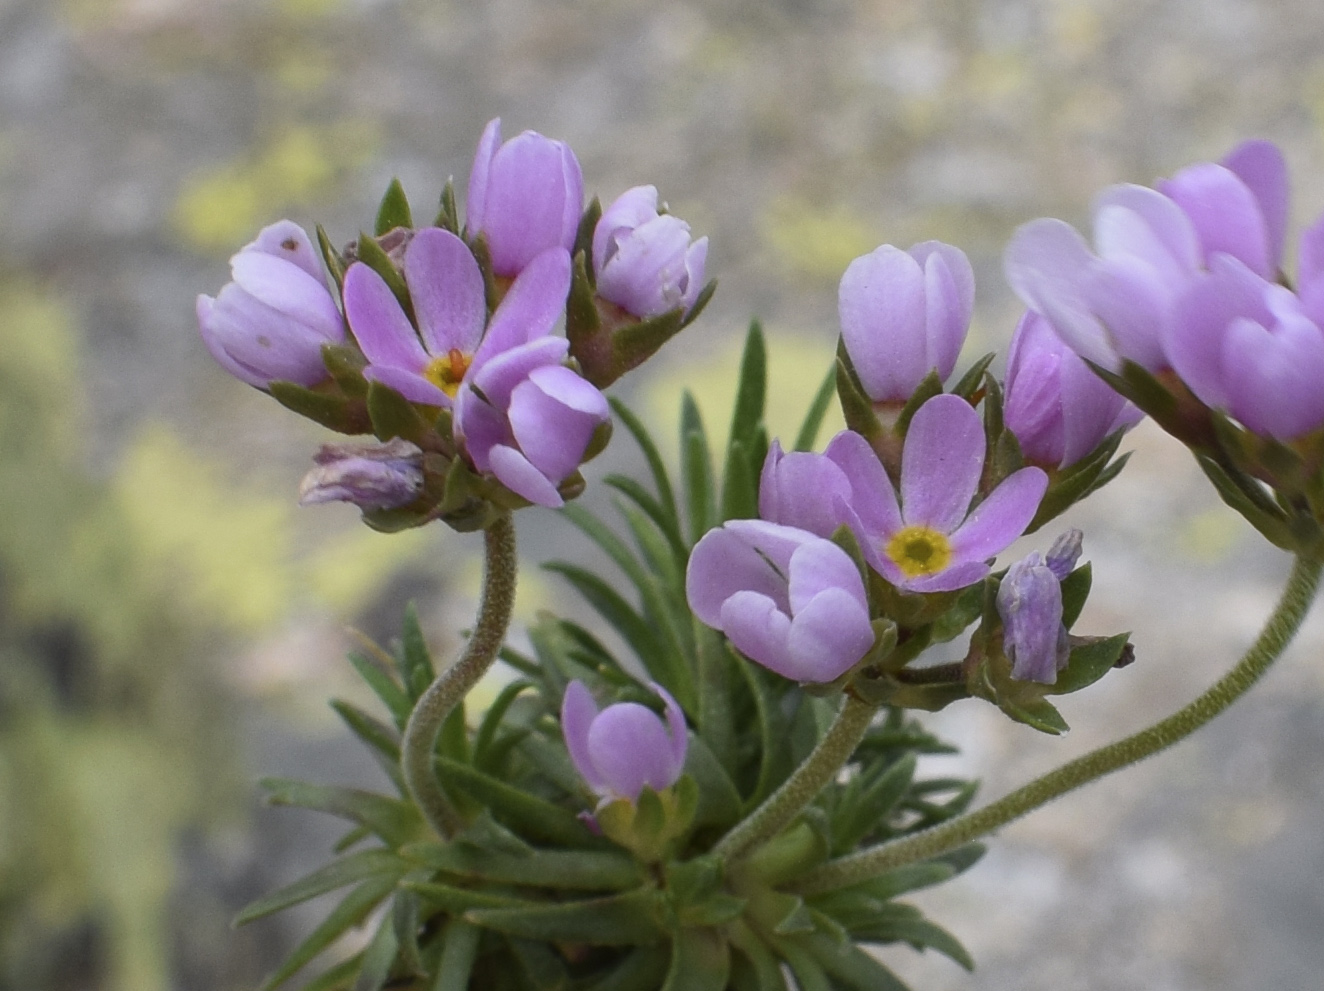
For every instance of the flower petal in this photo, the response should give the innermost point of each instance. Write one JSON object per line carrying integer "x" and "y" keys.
{"x": 286, "y": 239}
{"x": 480, "y": 176}
{"x": 515, "y": 472}
{"x": 379, "y": 324}
{"x": 578, "y": 710}
{"x": 532, "y": 305}
{"x": 828, "y": 636}
{"x": 1261, "y": 166}
{"x": 288, "y": 289}
{"x": 447, "y": 289}
{"x": 630, "y": 748}
{"x": 759, "y": 630}
{"x": 1225, "y": 214}
{"x": 880, "y": 302}
{"x": 941, "y": 463}
{"x": 1001, "y": 518}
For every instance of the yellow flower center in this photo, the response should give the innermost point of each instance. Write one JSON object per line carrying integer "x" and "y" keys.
{"x": 447, "y": 371}
{"x": 919, "y": 550}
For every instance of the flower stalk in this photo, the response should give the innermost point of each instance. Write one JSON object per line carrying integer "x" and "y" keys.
{"x": 452, "y": 685}
{"x": 803, "y": 786}
{"x": 1277, "y": 633}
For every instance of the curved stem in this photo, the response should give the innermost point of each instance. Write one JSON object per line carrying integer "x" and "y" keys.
{"x": 1277, "y": 633}
{"x": 452, "y": 685}
{"x": 804, "y": 784}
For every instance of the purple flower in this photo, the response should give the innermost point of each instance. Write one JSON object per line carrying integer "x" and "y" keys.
{"x": 525, "y": 196}
{"x": 1238, "y": 207}
{"x": 787, "y": 599}
{"x": 1030, "y": 604}
{"x": 644, "y": 260}
{"x": 811, "y": 491}
{"x": 1058, "y": 409}
{"x": 932, "y": 540}
{"x": 1114, "y": 304}
{"x": 1249, "y": 347}
{"x": 527, "y": 419}
{"x": 626, "y": 746}
{"x": 270, "y": 323}
{"x": 904, "y": 314}
{"x": 371, "y": 476}
{"x": 446, "y": 288}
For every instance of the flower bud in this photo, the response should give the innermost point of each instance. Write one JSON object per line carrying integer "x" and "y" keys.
{"x": 625, "y": 747}
{"x": 786, "y": 599}
{"x": 1033, "y": 637}
{"x": 525, "y": 196}
{"x": 1064, "y": 553}
{"x": 1056, "y": 406}
{"x": 270, "y": 323}
{"x": 371, "y": 476}
{"x": 644, "y": 260}
{"x": 905, "y": 314}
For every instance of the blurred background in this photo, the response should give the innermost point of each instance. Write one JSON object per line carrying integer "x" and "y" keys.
{"x": 171, "y": 626}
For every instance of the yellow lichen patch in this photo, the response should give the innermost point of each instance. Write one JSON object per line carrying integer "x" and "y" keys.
{"x": 919, "y": 551}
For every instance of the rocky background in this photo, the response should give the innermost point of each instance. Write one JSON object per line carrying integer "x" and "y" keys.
{"x": 170, "y": 626}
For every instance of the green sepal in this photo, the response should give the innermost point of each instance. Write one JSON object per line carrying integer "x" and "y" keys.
{"x": 700, "y": 961}
{"x": 968, "y": 386}
{"x": 630, "y": 919}
{"x": 339, "y": 413}
{"x": 395, "y": 821}
{"x": 393, "y": 211}
{"x": 966, "y": 607}
{"x": 1070, "y": 485}
{"x": 335, "y": 264}
{"x": 929, "y": 386}
{"x": 352, "y": 910}
{"x": 361, "y": 866}
{"x": 448, "y": 215}
{"x": 393, "y": 415}
{"x": 583, "y": 321}
{"x": 1037, "y": 713}
{"x": 583, "y": 244}
{"x": 634, "y": 343}
{"x": 345, "y": 363}
{"x": 700, "y": 302}
{"x": 649, "y": 826}
{"x": 526, "y": 814}
{"x": 375, "y": 257}
{"x": 1268, "y": 519}
{"x": 807, "y": 436}
{"x": 571, "y": 870}
{"x": 1091, "y": 658}
{"x": 855, "y": 405}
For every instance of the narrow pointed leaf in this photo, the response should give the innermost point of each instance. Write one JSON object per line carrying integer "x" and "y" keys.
{"x": 385, "y": 687}
{"x": 526, "y": 814}
{"x": 381, "y": 739}
{"x": 352, "y": 910}
{"x": 696, "y": 476}
{"x": 415, "y": 659}
{"x": 813, "y": 421}
{"x": 700, "y": 961}
{"x": 661, "y": 480}
{"x": 642, "y": 967}
{"x": 459, "y": 951}
{"x": 337, "y": 874}
{"x": 394, "y": 821}
{"x": 629, "y": 919}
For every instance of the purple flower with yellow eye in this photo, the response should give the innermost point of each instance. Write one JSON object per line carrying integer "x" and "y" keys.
{"x": 625, "y": 747}
{"x": 446, "y": 288}
{"x": 931, "y": 540}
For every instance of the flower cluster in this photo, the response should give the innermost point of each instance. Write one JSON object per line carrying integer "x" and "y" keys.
{"x": 460, "y": 324}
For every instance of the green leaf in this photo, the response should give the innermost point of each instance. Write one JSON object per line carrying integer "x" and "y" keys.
{"x": 396, "y": 822}
{"x": 809, "y": 976}
{"x": 459, "y": 951}
{"x": 1091, "y": 658}
{"x": 526, "y": 814}
{"x": 739, "y": 479}
{"x": 642, "y": 967}
{"x": 415, "y": 660}
{"x": 393, "y": 415}
{"x": 773, "y": 726}
{"x": 1038, "y": 714}
{"x": 344, "y": 416}
{"x": 1075, "y": 590}
{"x": 696, "y": 475}
{"x": 850, "y": 965}
{"x": 631, "y": 919}
{"x": 385, "y": 687}
{"x": 375, "y": 967}
{"x": 719, "y": 801}
{"x": 491, "y": 724}
{"x": 338, "y": 978}
{"x": 858, "y": 818}
{"x": 572, "y": 870}
{"x": 665, "y": 494}
{"x": 352, "y": 910}
{"x": 666, "y": 523}
{"x": 383, "y": 741}
{"x": 455, "y": 901}
{"x": 338, "y": 874}
{"x": 813, "y": 421}
{"x": 764, "y": 969}
{"x": 394, "y": 210}
{"x": 540, "y": 964}
{"x": 700, "y": 961}
{"x": 919, "y": 933}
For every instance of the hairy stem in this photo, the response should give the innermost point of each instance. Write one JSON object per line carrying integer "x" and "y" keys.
{"x": 453, "y": 684}
{"x": 804, "y": 784}
{"x": 1274, "y": 637}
